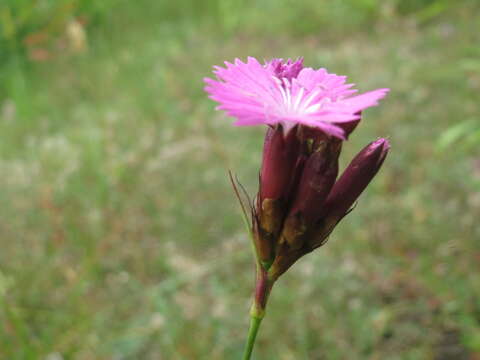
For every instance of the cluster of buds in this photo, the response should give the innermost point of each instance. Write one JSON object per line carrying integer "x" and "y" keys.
{"x": 300, "y": 200}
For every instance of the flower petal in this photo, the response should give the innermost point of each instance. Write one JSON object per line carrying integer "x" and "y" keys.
{"x": 283, "y": 92}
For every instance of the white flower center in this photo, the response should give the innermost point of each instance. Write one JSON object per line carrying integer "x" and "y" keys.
{"x": 302, "y": 102}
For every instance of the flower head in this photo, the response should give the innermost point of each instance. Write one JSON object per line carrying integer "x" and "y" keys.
{"x": 286, "y": 93}
{"x": 308, "y": 112}
{"x": 300, "y": 201}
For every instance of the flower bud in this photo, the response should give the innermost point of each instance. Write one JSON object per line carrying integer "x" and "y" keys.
{"x": 356, "y": 177}
{"x": 317, "y": 179}
{"x": 348, "y": 188}
{"x": 277, "y": 175}
{"x": 280, "y": 152}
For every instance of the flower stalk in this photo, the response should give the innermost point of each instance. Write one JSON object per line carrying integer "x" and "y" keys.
{"x": 263, "y": 287}
{"x": 251, "y": 337}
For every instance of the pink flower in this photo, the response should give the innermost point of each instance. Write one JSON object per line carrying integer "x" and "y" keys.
{"x": 286, "y": 93}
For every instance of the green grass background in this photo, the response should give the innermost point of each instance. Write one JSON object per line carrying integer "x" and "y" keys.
{"x": 120, "y": 237}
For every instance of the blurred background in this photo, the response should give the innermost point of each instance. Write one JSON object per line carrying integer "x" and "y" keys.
{"x": 121, "y": 237}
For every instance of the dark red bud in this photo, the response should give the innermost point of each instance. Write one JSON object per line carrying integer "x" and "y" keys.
{"x": 316, "y": 181}
{"x": 278, "y": 165}
{"x": 355, "y": 178}
{"x": 277, "y": 175}
{"x": 318, "y": 177}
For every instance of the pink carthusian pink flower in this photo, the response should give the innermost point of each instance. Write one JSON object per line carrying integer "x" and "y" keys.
{"x": 287, "y": 93}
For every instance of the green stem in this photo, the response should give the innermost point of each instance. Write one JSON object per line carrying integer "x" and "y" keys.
{"x": 263, "y": 287}
{"x": 252, "y": 335}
